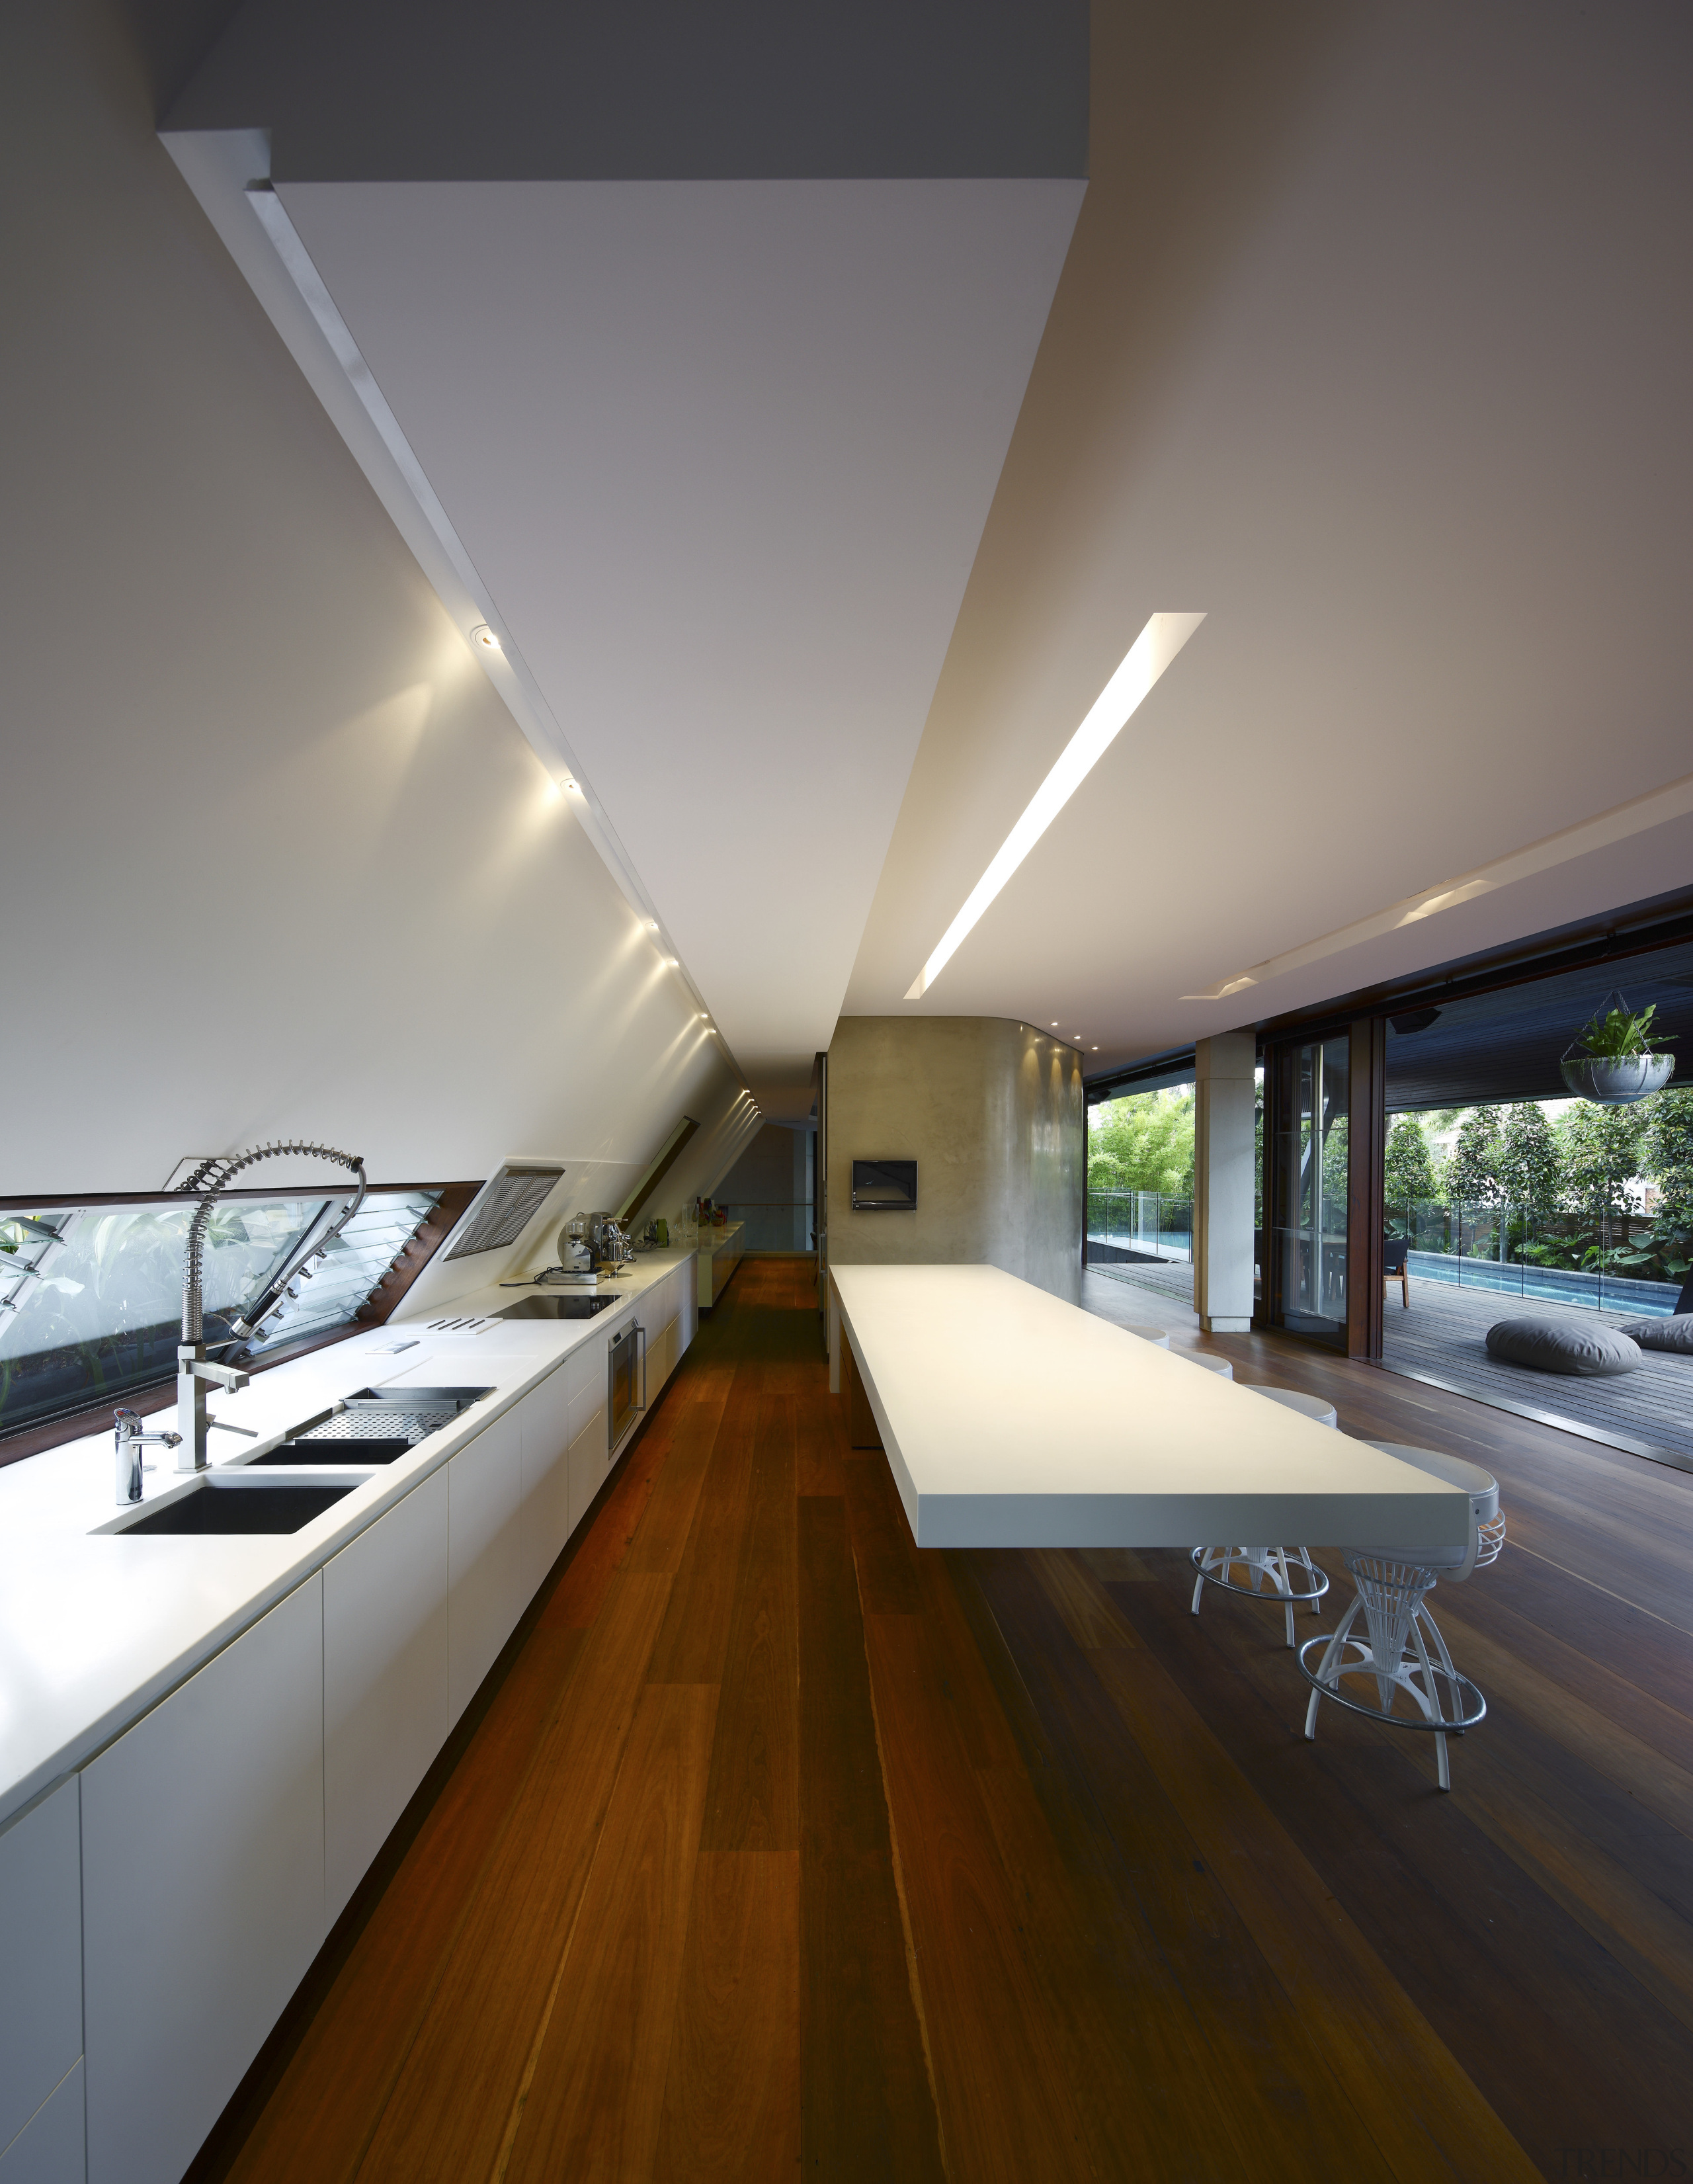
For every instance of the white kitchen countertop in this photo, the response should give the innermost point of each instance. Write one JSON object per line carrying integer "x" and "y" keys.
{"x": 1011, "y": 1418}
{"x": 96, "y": 1628}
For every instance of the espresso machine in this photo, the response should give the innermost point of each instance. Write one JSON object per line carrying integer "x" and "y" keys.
{"x": 610, "y": 1243}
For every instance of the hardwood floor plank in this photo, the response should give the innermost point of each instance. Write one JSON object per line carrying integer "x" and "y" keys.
{"x": 693, "y": 1643}
{"x": 318, "y": 2121}
{"x": 1425, "y": 2116}
{"x": 866, "y": 2110}
{"x": 753, "y": 1802}
{"x": 1563, "y": 2046}
{"x": 1005, "y": 2095}
{"x": 731, "y": 2097}
{"x": 661, "y": 1535}
{"x": 881, "y": 1544}
{"x": 593, "y": 2103}
{"x": 1271, "y": 2090}
{"x": 1088, "y": 1611}
{"x": 446, "y": 2115}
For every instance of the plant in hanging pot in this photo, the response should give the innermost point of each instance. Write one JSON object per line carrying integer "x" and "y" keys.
{"x": 1616, "y": 1060}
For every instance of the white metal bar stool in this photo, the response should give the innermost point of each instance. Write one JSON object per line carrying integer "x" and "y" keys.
{"x": 1308, "y": 1407}
{"x": 1404, "y": 1650}
{"x": 1159, "y": 1337}
{"x": 1220, "y": 1366}
{"x": 1284, "y": 1574}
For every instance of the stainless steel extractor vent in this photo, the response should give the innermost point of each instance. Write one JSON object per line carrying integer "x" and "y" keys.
{"x": 503, "y": 1207}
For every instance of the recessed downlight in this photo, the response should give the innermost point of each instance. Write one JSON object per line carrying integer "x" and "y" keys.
{"x": 482, "y": 635}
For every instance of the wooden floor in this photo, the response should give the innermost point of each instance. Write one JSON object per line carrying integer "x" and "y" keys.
{"x": 776, "y": 1847}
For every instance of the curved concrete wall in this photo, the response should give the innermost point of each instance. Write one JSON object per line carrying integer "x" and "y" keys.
{"x": 993, "y": 1113}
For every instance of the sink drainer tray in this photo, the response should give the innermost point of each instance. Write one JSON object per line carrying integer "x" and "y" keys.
{"x": 387, "y": 1422}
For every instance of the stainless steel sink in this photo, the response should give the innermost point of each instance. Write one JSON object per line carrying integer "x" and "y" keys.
{"x": 557, "y": 1307}
{"x": 219, "y": 1505}
{"x": 367, "y": 1448}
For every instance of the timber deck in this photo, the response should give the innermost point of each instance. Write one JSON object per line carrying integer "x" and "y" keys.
{"x": 772, "y": 1847}
{"x": 1442, "y": 1337}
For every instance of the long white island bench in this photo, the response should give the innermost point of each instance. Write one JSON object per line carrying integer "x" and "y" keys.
{"x": 1012, "y": 1419}
{"x": 204, "y": 1741}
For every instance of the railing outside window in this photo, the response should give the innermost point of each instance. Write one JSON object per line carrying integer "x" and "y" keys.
{"x": 1624, "y": 1261}
{"x": 1141, "y": 1221}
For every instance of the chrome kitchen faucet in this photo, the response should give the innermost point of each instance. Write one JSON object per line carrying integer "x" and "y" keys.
{"x": 194, "y": 1369}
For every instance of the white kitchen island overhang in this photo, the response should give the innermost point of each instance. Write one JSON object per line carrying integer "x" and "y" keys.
{"x": 1012, "y": 1419}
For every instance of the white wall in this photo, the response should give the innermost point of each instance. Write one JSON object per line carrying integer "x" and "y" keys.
{"x": 273, "y": 857}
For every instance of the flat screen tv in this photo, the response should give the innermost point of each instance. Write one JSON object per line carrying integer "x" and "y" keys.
{"x": 884, "y": 1186}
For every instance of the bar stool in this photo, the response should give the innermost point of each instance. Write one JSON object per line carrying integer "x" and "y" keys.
{"x": 1159, "y": 1337}
{"x": 1288, "y": 1573}
{"x": 1404, "y": 1650}
{"x": 1309, "y": 1406}
{"x": 1220, "y": 1366}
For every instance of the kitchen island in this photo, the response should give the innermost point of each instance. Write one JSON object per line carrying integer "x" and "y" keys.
{"x": 1012, "y": 1419}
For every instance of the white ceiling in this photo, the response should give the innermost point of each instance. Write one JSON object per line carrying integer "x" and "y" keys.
{"x": 1371, "y": 345}
{"x": 721, "y": 453}
{"x": 1384, "y": 369}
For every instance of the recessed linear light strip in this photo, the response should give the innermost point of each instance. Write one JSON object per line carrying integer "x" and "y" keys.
{"x": 1674, "y": 800}
{"x": 1146, "y": 660}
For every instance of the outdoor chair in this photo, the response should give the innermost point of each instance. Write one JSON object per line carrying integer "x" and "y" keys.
{"x": 1395, "y": 1265}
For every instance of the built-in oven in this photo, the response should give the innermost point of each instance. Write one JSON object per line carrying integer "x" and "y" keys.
{"x": 626, "y": 1380}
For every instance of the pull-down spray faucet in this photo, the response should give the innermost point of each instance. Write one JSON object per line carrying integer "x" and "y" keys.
{"x": 195, "y": 1371}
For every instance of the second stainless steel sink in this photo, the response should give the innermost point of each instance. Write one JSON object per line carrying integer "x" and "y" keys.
{"x": 368, "y": 1448}
{"x": 225, "y": 1505}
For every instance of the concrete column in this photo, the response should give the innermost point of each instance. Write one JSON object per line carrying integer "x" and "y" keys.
{"x": 1223, "y": 1104}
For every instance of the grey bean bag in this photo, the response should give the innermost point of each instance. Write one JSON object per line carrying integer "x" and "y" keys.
{"x": 1556, "y": 1346}
{"x": 1674, "y": 1333}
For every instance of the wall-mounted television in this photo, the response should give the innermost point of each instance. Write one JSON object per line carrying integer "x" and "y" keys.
{"x": 884, "y": 1186}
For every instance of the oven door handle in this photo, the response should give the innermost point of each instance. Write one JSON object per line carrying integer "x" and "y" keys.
{"x": 642, "y": 1333}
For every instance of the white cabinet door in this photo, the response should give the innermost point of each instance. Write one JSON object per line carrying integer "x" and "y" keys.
{"x": 50, "y": 2148}
{"x": 485, "y": 1556}
{"x": 584, "y": 1369}
{"x": 545, "y": 1418}
{"x": 40, "y": 1954}
{"x": 660, "y": 1360}
{"x": 588, "y": 1391}
{"x": 202, "y": 1891}
{"x": 384, "y": 1680}
{"x": 688, "y": 1309}
{"x": 590, "y": 1461}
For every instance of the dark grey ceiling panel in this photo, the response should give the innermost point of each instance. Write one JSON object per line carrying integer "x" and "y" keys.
{"x": 651, "y": 90}
{"x": 1496, "y": 1047}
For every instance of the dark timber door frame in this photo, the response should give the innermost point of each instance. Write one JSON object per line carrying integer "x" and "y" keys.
{"x": 1365, "y": 1205}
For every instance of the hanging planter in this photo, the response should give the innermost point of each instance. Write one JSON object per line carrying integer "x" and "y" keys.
{"x": 1616, "y": 1061}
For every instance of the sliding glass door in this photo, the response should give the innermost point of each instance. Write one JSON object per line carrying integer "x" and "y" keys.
{"x": 1305, "y": 1260}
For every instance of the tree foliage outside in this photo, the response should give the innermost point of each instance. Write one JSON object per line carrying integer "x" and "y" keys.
{"x": 1472, "y": 1177}
{"x": 1601, "y": 1151}
{"x": 1531, "y": 1166}
{"x": 1667, "y": 1152}
{"x": 1410, "y": 1168}
{"x": 1143, "y": 1142}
